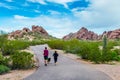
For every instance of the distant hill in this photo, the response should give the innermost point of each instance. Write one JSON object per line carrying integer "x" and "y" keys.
{"x": 37, "y": 32}
{"x": 85, "y": 34}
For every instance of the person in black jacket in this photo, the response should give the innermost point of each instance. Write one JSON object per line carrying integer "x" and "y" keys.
{"x": 55, "y": 55}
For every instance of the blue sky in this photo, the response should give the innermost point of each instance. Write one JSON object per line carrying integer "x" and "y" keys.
{"x": 60, "y": 17}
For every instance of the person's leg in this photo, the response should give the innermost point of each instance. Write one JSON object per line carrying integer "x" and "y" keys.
{"x": 45, "y": 60}
{"x": 55, "y": 60}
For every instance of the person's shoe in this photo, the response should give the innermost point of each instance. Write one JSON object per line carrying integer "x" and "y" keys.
{"x": 45, "y": 64}
{"x": 55, "y": 64}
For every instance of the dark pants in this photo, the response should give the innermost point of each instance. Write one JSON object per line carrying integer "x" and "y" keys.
{"x": 45, "y": 57}
{"x": 55, "y": 60}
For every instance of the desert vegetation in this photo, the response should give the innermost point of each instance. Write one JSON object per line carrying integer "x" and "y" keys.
{"x": 90, "y": 50}
{"x": 11, "y": 56}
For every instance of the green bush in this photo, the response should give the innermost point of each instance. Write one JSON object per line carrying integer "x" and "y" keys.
{"x": 113, "y": 56}
{"x": 38, "y": 42}
{"x": 117, "y": 51}
{"x": 94, "y": 53}
{"x": 19, "y": 44}
{"x": 72, "y": 46}
{"x": 4, "y": 69}
{"x": 56, "y": 44}
{"x": 22, "y": 60}
{"x": 4, "y": 60}
{"x": 88, "y": 50}
{"x": 9, "y": 47}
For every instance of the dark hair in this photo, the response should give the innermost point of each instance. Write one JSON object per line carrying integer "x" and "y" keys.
{"x": 45, "y": 47}
{"x": 55, "y": 51}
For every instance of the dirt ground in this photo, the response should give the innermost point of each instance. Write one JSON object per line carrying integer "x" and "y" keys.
{"x": 17, "y": 74}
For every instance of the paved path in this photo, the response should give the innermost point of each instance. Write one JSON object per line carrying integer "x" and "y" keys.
{"x": 67, "y": 69}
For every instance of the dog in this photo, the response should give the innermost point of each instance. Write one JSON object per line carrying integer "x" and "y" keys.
{"x": 49, "y": 59}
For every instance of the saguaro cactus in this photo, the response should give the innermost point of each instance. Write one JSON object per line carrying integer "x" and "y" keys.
{"x": 104, "y": 52}
{"x": 104, "y": 42}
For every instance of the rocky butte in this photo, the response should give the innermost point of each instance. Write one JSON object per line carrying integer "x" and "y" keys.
{"x": 26, "y": 33}
{"x": 85, "y": 34}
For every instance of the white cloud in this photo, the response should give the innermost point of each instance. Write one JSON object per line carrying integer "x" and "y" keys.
{"x": 9, "y": 0}
{"x": 57, "y": 27}
{"x": 99, "y": 16}
{"x": 100, "y": 13}
{"x": 6, "y": 6}
{"x": 63, "y": 2}
{"x": 37, "y": 1}
{"x": 19, "y": 17}
{"x": 52, "y": 12}
{"x": 4, "y": 29}
{"x": 37, "y": 11}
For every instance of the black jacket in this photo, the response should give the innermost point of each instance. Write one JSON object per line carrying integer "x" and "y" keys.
{"x": 55, "y": 55}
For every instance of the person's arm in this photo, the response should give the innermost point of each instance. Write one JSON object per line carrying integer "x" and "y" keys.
{"x": 44, "y": 52}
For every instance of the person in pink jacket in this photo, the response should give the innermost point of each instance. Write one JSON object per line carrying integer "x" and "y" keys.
{"x": 45, "y": 54}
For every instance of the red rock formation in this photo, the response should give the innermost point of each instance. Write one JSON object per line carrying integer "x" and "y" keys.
{"x": 115, "y": 34}
{"x": 26, "y": 30}
{"x": 39, "y": 29}
{"x": 21, "y": 33}
{"x": 83, "y": 34}
{"x": 17, "y": 33}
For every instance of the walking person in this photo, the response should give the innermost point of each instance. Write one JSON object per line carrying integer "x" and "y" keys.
{"x": 45, "y": 54}
{"x": 55, "y": 55}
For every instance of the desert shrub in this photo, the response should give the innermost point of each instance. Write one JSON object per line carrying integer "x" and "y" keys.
{"x": 19, "y": 44}
{"x": 84, "y": 51}
{"x": 56, "y": 44}
{"x": 35, "y": 42}
{"x": 4, "y": 69}
{"x": 108, "y": 56}
{"x": 88, "y": 50}
{"x": 94, "y": 53}
{"x": 4, "y": 60}
{"x": 113, "y": 56}
{"x": 117, "y": 51}
{"x": 22, "y": 60}
{"x": 3, "y": 40}
{"x": 111, "y": 44}
{"x": 7, "y": 48}
{"x": 72, "y": 46}
{"x": 38, "y": 42}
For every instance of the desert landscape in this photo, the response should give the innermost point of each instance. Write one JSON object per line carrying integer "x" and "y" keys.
{"x": 68, "y": 39}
